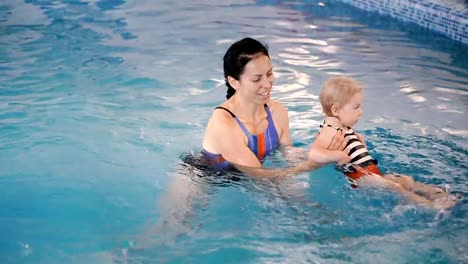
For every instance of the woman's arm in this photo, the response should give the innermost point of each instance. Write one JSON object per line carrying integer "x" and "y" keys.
{"x": 335, "y": 141}
{"x": 231, "y": 144}
{"x": 262, "y": 172}
{"x": 224, "y": 136}
{"x": 332, "y": 153}
{"x": 280, "y": 117}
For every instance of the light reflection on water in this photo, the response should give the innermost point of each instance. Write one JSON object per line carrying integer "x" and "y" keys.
{"x": 99, "y": 99}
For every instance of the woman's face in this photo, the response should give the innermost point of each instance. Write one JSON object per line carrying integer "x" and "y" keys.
{"x": 257, "y": 80}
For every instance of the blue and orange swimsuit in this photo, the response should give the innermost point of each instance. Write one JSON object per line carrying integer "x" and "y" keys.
{"x": 261, "y": 144}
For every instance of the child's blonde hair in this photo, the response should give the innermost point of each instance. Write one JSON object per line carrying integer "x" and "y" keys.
{"x": 337, "y": 91}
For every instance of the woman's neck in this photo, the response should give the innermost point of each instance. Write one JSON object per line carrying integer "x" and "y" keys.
{"x": 246, "y": 110}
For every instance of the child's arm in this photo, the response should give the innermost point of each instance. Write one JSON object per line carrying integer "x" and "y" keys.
{"x": 319, "y": 150}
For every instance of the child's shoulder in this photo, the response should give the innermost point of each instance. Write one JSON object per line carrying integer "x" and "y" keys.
{"x": 325, "y": 136}
{"x": 327, "y": 131}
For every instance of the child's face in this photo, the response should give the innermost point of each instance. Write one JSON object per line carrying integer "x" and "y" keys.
{"x": 350, "y": 113}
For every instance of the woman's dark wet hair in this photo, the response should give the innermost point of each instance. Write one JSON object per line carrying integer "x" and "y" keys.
{"x": 237, "y": 56}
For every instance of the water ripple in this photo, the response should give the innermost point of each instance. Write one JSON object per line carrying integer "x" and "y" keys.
{"x": 99, "y": 98}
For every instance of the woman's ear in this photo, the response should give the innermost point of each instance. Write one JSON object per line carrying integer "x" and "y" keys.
{"x": 233, "y": 82}
{"x": 335, "y": 110}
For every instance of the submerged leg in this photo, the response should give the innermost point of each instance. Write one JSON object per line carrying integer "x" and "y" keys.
{"x": 429, "y": 191}
{"x": 175, "y": 210}
{"x": 404, "y": 185}
{"x": 440, "y": 198}
{"x": 405, "y": 181}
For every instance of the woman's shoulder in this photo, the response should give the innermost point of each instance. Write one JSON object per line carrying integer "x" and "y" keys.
{"x": 222, "y": 113}
{"x": 221, "y": 118}
{"x": 274, "y": 104}
{"x": 221, "y": 125}
{"x": 277, "y": 107}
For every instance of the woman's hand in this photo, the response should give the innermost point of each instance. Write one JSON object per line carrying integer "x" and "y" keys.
{"x": 342, "y": 158}
{"x": 338, "y": 141}
{"x": 323, "y": 157}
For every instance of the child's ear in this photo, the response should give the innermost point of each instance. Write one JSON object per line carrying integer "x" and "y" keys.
{"x": 335, "y": 110}
{"x": 233, "y": 82}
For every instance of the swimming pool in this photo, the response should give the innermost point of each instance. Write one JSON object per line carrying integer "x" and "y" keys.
{"x": 98, "y": 99}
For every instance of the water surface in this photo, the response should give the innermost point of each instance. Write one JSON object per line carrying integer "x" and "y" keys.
{"x": 98, "y": 99}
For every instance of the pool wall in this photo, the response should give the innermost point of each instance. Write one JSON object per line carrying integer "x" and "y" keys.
{"x": 448, "y": 17}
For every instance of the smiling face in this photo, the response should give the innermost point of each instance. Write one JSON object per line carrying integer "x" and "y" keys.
{"x": 256, "y": 81}
{"x": 351, "y": 111}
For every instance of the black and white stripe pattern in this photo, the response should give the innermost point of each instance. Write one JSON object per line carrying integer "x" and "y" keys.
{"x": 356, "y": 149}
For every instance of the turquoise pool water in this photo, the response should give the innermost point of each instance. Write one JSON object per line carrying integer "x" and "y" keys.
{"x": 98, "y": 100}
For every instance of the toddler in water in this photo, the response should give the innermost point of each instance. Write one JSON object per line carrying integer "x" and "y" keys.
{"x": 341, "y": 99}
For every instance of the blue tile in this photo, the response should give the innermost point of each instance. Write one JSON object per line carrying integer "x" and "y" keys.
{"x": 437, "y": 17}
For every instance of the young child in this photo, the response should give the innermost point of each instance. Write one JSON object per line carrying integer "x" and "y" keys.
{"x": 341, "y": 99}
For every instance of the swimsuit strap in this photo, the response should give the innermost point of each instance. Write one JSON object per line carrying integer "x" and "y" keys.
{"x": 229, "y": 111}
{"x": 249, "y": 135}
{"x": 270, "y": 134}
{"x": 233, "y": 115}
{"x": 237, "y": 120}
{"x": 270, "y": 118}
{"x": 261, "y": 144}
{"x": 337, "y": 128}
{"x": 246, "y": 131}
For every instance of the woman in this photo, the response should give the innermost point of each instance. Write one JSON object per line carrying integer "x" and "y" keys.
{"x": 249, "y": 124}
{"x": 240, "y": 133}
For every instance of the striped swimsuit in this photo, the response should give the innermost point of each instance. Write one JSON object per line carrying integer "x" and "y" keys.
{"x": 358, "y": 154}
{"x": 261, "y": 144}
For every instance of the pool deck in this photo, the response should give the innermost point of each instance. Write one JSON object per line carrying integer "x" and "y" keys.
{"x": 448, "y": 17}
